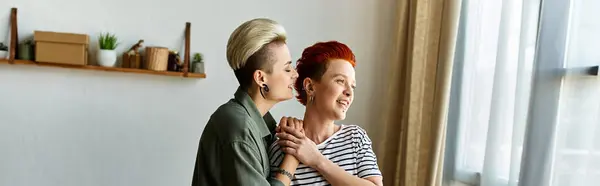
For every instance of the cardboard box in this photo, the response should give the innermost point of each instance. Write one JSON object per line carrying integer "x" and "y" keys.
{"x": 61, "y": 48}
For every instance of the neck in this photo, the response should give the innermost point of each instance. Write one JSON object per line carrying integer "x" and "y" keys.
{"x": 316, "y": 127}
{"x": 262, "y": 104}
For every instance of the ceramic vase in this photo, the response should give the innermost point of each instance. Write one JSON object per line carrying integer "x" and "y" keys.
{"x": 107, "y": 58}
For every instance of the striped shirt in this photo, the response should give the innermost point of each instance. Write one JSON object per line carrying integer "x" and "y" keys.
{"x": 350, "y": 148}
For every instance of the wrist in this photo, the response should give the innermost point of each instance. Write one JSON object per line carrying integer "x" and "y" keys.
{"x": 321, "y": 163}
{"x": 289, "y": 163}
{"x": 290, "y": 159}
{"x": 283, "y": 174}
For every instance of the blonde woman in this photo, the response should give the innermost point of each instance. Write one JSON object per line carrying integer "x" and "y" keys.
{"x": 233, "y": 146}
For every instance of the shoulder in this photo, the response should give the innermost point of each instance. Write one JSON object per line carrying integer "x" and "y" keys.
{"x": 230, "y": 122}
{"x": 358, "y": 133}
{"x": 354, "y": 129}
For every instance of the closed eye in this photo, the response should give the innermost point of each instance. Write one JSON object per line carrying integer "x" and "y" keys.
{"x": 287, "y": 66}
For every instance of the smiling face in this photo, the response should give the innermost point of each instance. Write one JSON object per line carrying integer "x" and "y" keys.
{"x": 334, "y": 92}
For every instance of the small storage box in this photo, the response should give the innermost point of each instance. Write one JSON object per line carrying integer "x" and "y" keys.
{"x": 61, "y": 48}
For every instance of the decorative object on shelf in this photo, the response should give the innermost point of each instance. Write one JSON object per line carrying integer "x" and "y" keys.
{"x": 107, "y": 55}
{"x": 135, "y": 49}
{"x": 132, "y": 58}
{"x": 3, "y": 51}
{"x": 61, "y": 48}
{"x": 157, "y": 58}
{"x": 25, "y": 51}
{"x": 175, "y": 63}
{"x": 198, "y": 63}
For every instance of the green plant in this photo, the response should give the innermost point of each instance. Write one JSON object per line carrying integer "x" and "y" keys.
{"x": 3, "y": 47}
{"x": 108, "y": 41}
{"x": 28, "y": 42}
{"x": 198, "y": 57}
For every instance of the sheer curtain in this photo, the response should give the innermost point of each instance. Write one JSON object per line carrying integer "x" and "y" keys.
{"x": 492, "y": 87}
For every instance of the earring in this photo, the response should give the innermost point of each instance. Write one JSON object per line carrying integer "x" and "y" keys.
{"x": 264, "y": 88}
{"x": 310, "y": 99}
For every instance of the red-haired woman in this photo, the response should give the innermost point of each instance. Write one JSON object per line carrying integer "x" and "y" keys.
{"x": 329, "y": 153}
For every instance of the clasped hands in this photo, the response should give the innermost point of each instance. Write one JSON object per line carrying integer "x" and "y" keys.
{"x": 293, "y": 141}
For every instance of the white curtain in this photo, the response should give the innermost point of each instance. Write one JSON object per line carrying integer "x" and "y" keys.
{"x": 494, "y": 84}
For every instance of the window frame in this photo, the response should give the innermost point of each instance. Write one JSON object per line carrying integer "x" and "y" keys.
{"x": 553, "y": 30}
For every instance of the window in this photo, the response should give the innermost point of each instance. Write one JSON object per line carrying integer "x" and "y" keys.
{"x": 577, "y": 143}
{"x": 510, "y": 96}
{"x": 490, "y": 90}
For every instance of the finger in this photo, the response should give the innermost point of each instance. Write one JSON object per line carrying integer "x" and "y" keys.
{"x": 286, "y": 136}
{"x": 284, "y": 121}
{"x": 288, "y": 150}
{"x": 287, "y": 143}
{"x": 290, "y": 121}
{"x": 277, "y": 129}
{"x": 295, "y": 133}
{"x": 297, "y": 124}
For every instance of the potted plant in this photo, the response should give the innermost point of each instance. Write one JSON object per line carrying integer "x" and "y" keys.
{"x": 107, "y": 55}
{"x": 198, "y": 63}
{"x": 3, "y": 51}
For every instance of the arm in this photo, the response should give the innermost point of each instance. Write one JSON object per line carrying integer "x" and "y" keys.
{"x": 289, "y": 163}
{"x": 335, "y": 175}
{"x": 306, "y": 151}
{"x": 241, "y": 165}
{"x": 366, "y": 165}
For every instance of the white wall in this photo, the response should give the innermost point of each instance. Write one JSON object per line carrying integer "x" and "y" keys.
{"x": 72, "y": 127}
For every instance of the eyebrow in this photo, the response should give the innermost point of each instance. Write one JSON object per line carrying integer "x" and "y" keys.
{"x": 288, "y": 63}
{"x": 339, "y": 74}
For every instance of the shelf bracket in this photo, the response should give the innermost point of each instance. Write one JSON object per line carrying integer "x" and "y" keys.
{"x": 186, "y": 58}
{"x": 13, "y": 36}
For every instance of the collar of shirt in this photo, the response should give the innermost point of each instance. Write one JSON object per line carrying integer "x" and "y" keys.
{"x": 266, "y": 124}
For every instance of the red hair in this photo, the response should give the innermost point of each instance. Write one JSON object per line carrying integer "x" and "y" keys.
{"x": 313, "y": 63}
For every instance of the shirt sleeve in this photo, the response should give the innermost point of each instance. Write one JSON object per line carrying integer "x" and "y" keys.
{"x": 243, "y": 166}
{"x": 366, "y": 159}
{"x": 275, "y": 157}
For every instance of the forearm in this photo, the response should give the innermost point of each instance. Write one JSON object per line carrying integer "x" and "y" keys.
{"x": 289, "y": 164}
{"x": 335, "y": 175}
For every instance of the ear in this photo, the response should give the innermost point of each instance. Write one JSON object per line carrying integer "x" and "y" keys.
{"x": 260, "y": 77}
{"x": 309, "y": 86}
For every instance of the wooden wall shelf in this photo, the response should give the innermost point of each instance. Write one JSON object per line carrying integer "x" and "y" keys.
{"x": 100, "y": 68}
{"x": 14, "y": 41}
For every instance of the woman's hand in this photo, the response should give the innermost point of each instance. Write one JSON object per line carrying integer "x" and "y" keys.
{"x": 297, "y": 144}
{"x": 291, "y": 122}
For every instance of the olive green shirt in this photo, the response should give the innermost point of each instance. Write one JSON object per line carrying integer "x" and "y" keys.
{"x": 233, "y": 146}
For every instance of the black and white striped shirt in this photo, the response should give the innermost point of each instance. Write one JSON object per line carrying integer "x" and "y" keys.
{"x": 350, "y": 148}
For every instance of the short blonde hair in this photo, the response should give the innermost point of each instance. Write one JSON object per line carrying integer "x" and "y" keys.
{"x": 248, "y": 38}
